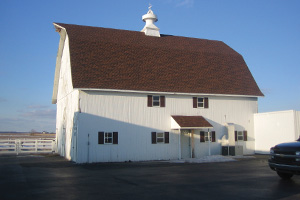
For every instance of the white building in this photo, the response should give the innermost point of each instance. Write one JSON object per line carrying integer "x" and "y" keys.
{"x": 127, "y": 95}
{"x": 273, "y": 128}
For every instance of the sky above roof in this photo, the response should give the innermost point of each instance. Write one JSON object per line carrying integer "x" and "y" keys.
{"x": 266, "y": 33}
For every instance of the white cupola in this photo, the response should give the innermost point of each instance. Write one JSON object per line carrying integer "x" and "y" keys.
{"x": 150, "y": 29}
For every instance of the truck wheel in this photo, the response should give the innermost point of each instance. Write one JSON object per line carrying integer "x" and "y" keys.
{"x": 285, "y": 176}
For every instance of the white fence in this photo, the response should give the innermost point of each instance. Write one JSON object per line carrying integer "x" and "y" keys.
{"x": 17, "y": 146}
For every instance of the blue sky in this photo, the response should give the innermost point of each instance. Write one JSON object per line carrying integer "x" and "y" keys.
{"x": 265, "y": 32}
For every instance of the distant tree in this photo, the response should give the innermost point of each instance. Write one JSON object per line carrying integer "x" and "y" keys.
{"x": 33, "y": 131}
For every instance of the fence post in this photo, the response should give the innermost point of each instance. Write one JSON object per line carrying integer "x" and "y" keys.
{"x": 17, "y": 146}
{"x": 36, "y": 145}
{"x": 53, "y": 146}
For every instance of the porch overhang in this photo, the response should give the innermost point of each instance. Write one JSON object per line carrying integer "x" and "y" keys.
{"x": 189, "y": 122}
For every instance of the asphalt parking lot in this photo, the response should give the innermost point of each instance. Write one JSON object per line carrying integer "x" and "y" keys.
{"x": 52, "y": 177}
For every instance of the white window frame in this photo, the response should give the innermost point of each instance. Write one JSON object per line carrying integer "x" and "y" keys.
{"x": 200, "y": 102}
{"x": 207, "y": 137}
{"x": 160, "y": 137}
{"x": 107, "y": 137}
{"x": 240, "y": 136}
{"x": 156, "y": 101}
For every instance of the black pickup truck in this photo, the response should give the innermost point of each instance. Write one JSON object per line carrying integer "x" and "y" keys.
{"x": 285, "y": 159}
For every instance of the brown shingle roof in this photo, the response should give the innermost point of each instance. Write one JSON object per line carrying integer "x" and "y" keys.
{"x": 191, "y": 121}
{"x": 106, "y": 58}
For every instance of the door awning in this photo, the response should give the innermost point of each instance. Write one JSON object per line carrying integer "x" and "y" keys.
{"x": 189, "y": 122}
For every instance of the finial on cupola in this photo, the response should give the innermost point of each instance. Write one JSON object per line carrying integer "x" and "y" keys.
{"x": 150, "y": 29}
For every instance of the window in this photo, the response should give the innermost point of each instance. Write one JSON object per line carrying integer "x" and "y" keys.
{"x": 207, "y": 136}
{"x": 160, "y": 137}
{"x": 156, "y": 101}
{"x": 240, "y": 135}
{"x": 107, "y": 137}
{"x": 200, "y": 102}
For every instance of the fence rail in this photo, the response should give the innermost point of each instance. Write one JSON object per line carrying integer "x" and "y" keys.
{"x": 16, "y": 146}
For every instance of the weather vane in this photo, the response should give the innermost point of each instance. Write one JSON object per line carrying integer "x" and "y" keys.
{"x": 150, "y": 6}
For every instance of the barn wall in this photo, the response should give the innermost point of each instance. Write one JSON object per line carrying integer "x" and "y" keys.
{"x": 273, "y": 128}
{"x": 67, "y": 105}
{"x": 128, "y": 114}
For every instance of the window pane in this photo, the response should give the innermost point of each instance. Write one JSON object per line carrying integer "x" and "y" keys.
{"x": 160, "y": 135}
{"x": 155, "y": 103}
{"x": 155, "y": 98}
{"x": 108, "y": 134}
{"x": 159, "y": 140}
{"x": 108, "y": 140}
{"x": 200, "y": 100}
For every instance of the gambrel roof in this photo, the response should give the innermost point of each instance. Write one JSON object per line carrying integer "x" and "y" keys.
{"x": 104, "y": 58}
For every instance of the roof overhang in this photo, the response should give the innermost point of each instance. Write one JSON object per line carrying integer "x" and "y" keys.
{"x": 166, "y": 93}
{"x": 189, "y": 122}
{"x": 62, "y": 32}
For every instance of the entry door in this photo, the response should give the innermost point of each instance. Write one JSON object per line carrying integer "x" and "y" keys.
{"x": 185, "y": 141}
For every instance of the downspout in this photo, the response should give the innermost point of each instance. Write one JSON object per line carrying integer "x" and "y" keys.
{"x": 209, "y": 139}
{"x": 179, "y": 144}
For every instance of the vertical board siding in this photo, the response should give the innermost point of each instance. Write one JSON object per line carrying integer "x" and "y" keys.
{"x": 130, "y": 116}
{"x": 67, "y": 107}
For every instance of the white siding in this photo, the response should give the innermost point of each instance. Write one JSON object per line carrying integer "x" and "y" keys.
{"x": 275, "y": 127}
{"x": 67, "y": 106}
{"x": 128, "y": 114}
{"x": 297, "y": 124}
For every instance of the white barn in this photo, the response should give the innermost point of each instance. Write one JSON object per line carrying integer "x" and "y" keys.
{"x": 127, "y": 95}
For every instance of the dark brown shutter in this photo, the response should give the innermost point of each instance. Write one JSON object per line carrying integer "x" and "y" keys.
{"x": 115, "y": 137}
{"x": 213, "y": 136}
{"x": 153, "y": 137}
{"x": 202, "y": 136}
{"x": 205, "y": 102}
{"x": 167, "y": 137}
{"x": 245, "y": 135}
{"x": 162, "y": 101}
{"x": 235, "y": 135}
{"x": 194, "y": 102}
{"x": 100, "y": 137}
{"x": 149, "y": 100}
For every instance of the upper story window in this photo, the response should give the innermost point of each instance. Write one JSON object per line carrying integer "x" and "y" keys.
{"x": 200, "y": 102}
{"x": 156, "y": 101}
